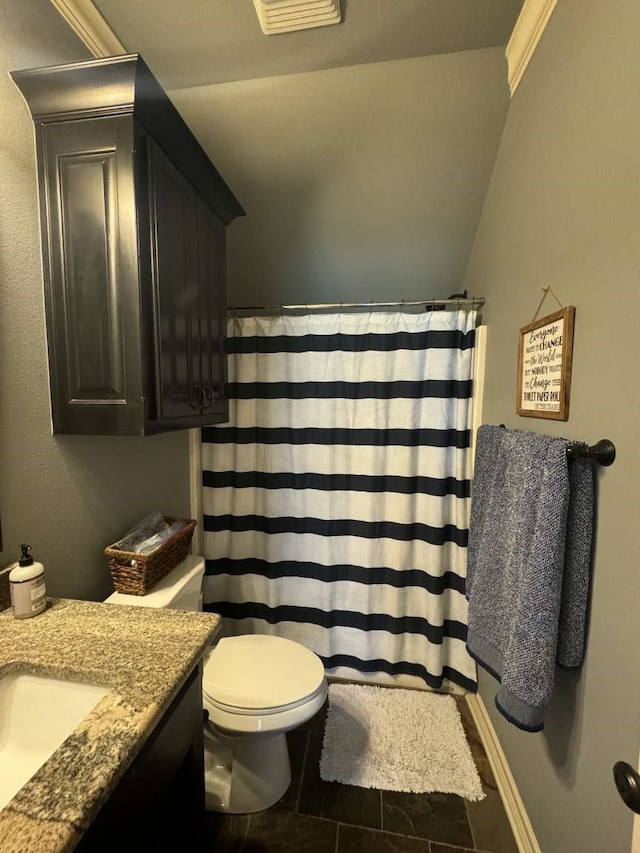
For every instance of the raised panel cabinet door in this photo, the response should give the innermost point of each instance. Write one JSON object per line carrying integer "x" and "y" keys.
{"x": 212, "y": 314}
{"x": 91, "y": 276}
{"x": 176, "y": 296}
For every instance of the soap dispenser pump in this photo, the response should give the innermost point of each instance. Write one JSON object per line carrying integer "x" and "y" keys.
{"x": 26, "y": 583}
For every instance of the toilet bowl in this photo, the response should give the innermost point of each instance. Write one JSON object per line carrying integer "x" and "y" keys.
{"x": 255, "y": 688}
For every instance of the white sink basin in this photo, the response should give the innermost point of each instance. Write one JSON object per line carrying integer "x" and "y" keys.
{"x": 37, "y": 715}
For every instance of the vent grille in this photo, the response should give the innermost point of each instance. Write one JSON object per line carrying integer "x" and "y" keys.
{"x": 285, "y": 16}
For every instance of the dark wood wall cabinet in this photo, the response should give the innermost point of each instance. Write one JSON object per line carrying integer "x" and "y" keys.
{"x": 133, "y": 217}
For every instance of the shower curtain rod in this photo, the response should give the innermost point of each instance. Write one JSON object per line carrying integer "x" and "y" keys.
{"x": 429, "y": 305}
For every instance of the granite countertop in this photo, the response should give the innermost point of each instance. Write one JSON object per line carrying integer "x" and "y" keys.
{"x": 143, "y": 656}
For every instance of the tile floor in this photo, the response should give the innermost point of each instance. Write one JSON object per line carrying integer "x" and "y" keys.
{"x": 326, "y": 817}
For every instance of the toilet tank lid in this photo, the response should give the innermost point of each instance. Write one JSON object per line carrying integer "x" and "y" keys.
{"x": 165, "y": 592}
{"x": 261, "y": 671}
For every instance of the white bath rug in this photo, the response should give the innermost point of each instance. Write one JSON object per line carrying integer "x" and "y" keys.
{"x": 397, "y": 740}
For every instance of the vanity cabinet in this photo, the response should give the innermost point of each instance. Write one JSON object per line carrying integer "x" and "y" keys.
{"x": 133, "y": 219}
{"x": 159, "y": 802}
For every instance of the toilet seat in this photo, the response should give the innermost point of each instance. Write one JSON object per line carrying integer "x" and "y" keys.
{"x": 260, "y": 674}
{"x": 234, "y": 709}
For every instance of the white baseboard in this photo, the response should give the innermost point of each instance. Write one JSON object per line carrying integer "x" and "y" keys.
{"x": 514, "y": 807}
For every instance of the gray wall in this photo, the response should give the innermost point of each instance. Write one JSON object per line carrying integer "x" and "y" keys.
{"x": 563, "y": 209}
{"x": 359, "y": 183}
{"x": 68, "y": 496}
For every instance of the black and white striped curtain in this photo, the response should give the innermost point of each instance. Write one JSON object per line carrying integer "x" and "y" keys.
{"x": 336, "y": 502}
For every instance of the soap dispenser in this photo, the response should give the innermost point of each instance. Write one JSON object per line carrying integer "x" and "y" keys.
{"x": 26, "y": 583}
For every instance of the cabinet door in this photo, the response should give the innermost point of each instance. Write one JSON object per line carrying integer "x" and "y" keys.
{"x": 91, "y": 275}
{"x": 159, "y": 802}
{"x": 175, "y": 287}
{"x": 188, "y": 273}
{"x": 211, "y": 328}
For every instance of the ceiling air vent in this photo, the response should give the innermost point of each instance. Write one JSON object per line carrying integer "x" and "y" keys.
{"x": 285, "y": 16}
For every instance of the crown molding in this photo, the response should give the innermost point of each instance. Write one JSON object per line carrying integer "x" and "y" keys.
{"x": 524, "y": 39}
{"x": 87, "y": 22}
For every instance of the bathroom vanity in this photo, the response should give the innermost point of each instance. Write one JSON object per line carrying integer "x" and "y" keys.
{"x": 131, "y": 773}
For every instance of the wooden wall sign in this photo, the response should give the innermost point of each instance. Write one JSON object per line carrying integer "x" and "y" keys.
{"x": 544, "y": 366}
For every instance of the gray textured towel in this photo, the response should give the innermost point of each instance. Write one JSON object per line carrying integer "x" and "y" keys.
{"x": 528, "y": 565}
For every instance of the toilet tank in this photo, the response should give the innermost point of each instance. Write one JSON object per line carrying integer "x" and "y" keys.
{"x": 181, "y": 589}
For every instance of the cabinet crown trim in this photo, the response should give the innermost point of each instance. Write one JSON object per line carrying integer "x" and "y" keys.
{"x": 116, "y": 85}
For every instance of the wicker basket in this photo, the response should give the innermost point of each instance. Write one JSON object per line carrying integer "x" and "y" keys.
{"x": 147, "y": 569}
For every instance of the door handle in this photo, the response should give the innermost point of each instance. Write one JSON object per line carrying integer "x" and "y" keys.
{"x": 202, "y": 402}
{"x": 191, "y": 402}
{"x": 628, "y": 784}
{"x": 212, "y": 395}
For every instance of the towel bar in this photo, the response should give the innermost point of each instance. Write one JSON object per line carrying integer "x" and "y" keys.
{"x": 604, "y": 452}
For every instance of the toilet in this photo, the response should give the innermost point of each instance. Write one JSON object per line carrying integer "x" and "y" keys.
{"x": 255, "y": 688}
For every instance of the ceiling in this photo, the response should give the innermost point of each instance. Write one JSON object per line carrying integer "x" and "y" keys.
{"x": 195, "y": 42}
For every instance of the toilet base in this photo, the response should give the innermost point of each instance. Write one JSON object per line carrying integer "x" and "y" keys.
{"x": 245, "y": 774}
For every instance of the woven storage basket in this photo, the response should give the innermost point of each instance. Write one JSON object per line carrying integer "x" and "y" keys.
{"x": 147, "y": 569}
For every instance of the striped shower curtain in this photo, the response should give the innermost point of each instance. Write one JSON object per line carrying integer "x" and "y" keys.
{"x": 336, "y": 501}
